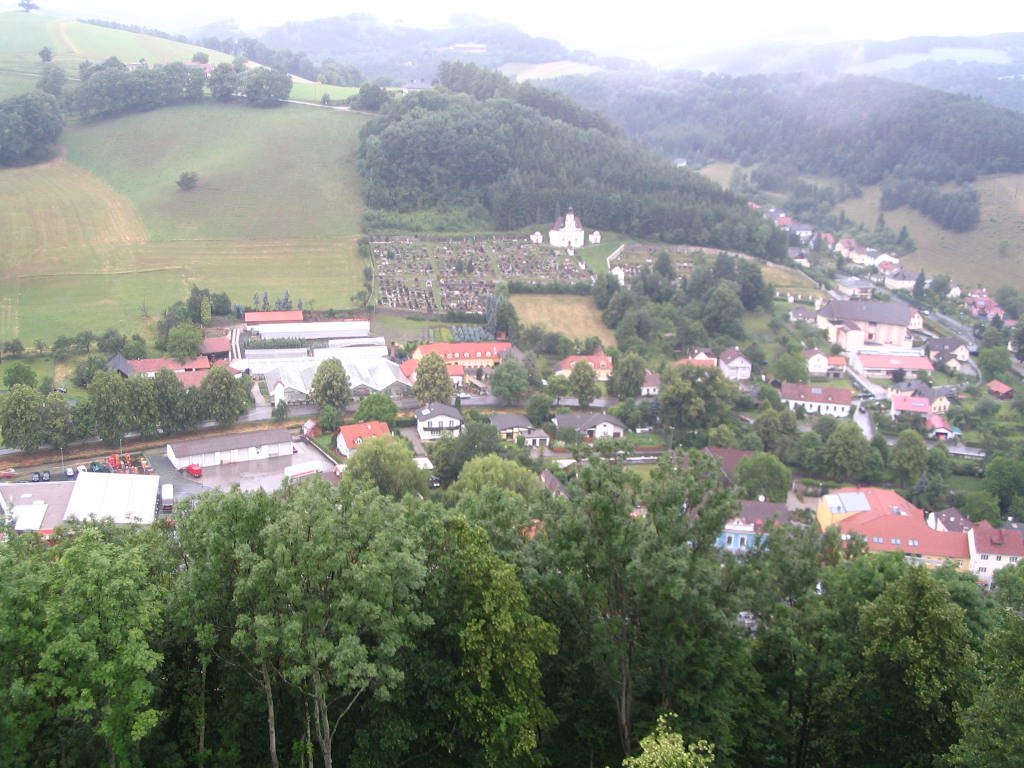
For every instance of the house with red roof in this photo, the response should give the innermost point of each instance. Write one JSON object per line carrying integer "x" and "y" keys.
{"x": 901, "y": 404}
{"x": 351, "y": 436}
{"x": 216, "y": 346}
{"x": 992, "y": 549}
{"x": 827, "y": 401}
{"x": 599, "y": 361}
{"x": 890, "y": 523}
{"x": 939, "y": 428}
{"x": 471, "y": 354}
{"x": 998, "y": 389}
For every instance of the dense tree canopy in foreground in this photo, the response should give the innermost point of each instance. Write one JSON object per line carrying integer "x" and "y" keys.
{"x": 325, "y": 625}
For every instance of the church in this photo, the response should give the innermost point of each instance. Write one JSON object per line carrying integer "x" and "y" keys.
{"x": 567, "y": 232}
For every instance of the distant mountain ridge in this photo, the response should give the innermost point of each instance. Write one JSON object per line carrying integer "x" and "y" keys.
{"x": 401, "y": 54}
{"x": 989, "y": 66}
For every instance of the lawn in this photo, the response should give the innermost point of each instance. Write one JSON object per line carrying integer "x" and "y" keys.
{"x": 789, "y": 280}
{"x": 574, "y": 316}
{"x": 263, "y": 173}
{"x": 303, "y": 90}
{"x": 97, "y": 239}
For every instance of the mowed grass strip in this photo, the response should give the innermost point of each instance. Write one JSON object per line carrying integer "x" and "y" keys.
{"x": 285, "y": 172}
{"x": 575, "y": 316}
{"x": 56, "y": 218}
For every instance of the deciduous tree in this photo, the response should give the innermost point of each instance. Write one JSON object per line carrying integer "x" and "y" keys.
{"x": 433, "y": 385}
{"x": 583, "y": 383}
{"x": 224, "y": 398}
{"x": 21, "y": 418}
{"x": 331, "y": 385}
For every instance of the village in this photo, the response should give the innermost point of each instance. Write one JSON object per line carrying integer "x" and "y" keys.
{"x": 880, "y": 363}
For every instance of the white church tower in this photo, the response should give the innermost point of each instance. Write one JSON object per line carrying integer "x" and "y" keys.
{"x": 567, "y": 232}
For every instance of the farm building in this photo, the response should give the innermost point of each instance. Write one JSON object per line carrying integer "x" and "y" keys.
{"x": 231, "y": 449}
{"x": 121, "y": 498}
{"x": 327, "y": 329}
{"x": 38, "y": 507}
{"x": 275, "y": 316}
{"x": 476, "y": 354}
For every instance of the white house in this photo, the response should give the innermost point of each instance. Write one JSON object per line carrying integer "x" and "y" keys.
{"x": 734, "y": 365}
{"x": 536, "y": 238}
{"x": 351, "y": 436}
{"x": 827, "y": 401}
{"x": 817, "y": 362}
{"x": 437, "y": 420}
{"x": 567, "y": 232}
{"x": 591, "y": 426}
{"x": 992, "y": 549}
{"x": 652, "y": 384}
{"x": 594, "y": 238}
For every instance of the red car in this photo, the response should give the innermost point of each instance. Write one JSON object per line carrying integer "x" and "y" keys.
{"x": 195, "y": 470}
{"x": 4, "y": 473}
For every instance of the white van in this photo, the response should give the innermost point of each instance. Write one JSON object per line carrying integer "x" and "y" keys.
{"x": 166, "y": 497}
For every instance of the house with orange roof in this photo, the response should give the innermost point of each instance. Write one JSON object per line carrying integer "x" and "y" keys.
{"x": 998, "y": 389}
{"x": 599, "y": 361}
{"x": 890, "y": 523}
{"x": 472, "y": 354}
{"x": 992, "y": 549}
{"x": 351, "y": 436}
{"x": 909, "y": 404}
{"x": 456, "y": 371}
{"x": 148, "y": 367}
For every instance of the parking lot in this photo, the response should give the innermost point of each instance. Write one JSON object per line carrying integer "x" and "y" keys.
{"x": 267, "y": 474}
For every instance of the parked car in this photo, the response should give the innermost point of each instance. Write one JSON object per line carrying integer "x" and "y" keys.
{"x": 36, "y": 477}
{"x": 46, "y": 475}
{"x": 194, "y": 470}
{"x": 69, "y": 473}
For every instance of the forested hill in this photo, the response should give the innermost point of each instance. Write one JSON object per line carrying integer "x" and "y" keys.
{"x": 438, "y": 150}
{"x": 400, "y": 53}
{"x": 858, "y": 128}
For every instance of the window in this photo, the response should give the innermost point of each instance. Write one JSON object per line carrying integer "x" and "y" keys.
{"x": 728, "y": 541}
{"x": 878, "y": 540}
{"x": 743, "y": 541}
{"x": 983, "y": 569}
{"x": 998, "y": 558}
{"x": 913, "y": 542}
{"x": 984, "y": 557}
{"x": 895, "y": 541}
{"x": 1014, "y": 559}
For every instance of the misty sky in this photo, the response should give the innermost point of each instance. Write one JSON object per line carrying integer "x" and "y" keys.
{"x": 663, "y": 32}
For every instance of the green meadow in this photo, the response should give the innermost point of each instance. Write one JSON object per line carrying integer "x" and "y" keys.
{"x": 102, "y": 236}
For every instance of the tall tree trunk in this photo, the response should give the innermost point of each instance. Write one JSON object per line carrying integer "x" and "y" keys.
{"x": 268, "y": 691}
{"x": 321, "y": 720}
{"x": 201, "y": 717}
{"x": 307, "y": 744}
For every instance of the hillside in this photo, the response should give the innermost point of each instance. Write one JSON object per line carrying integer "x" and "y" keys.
{"x": 278, "y": 189}
{"x": 992, "y": 254}
{"x": 23, "y": 35}
{"x": 401, "y": 54}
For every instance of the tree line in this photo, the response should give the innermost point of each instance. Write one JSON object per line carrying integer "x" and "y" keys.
{"x": 116, "y": 407}
{"x": 435, "y": 150}
{"x": 345, "y": 624}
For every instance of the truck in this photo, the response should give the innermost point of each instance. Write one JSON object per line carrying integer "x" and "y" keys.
{"x": 303, "y": 469}
{"x": 166, "y": 498}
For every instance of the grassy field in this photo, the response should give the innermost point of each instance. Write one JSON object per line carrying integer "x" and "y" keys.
{"x": 991, "y": 254}
{"x": 791, "y": 280}
{"x": 574, "y": 316}
{"x": 303, "y": 90}
{"x": 98, "y": 237}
